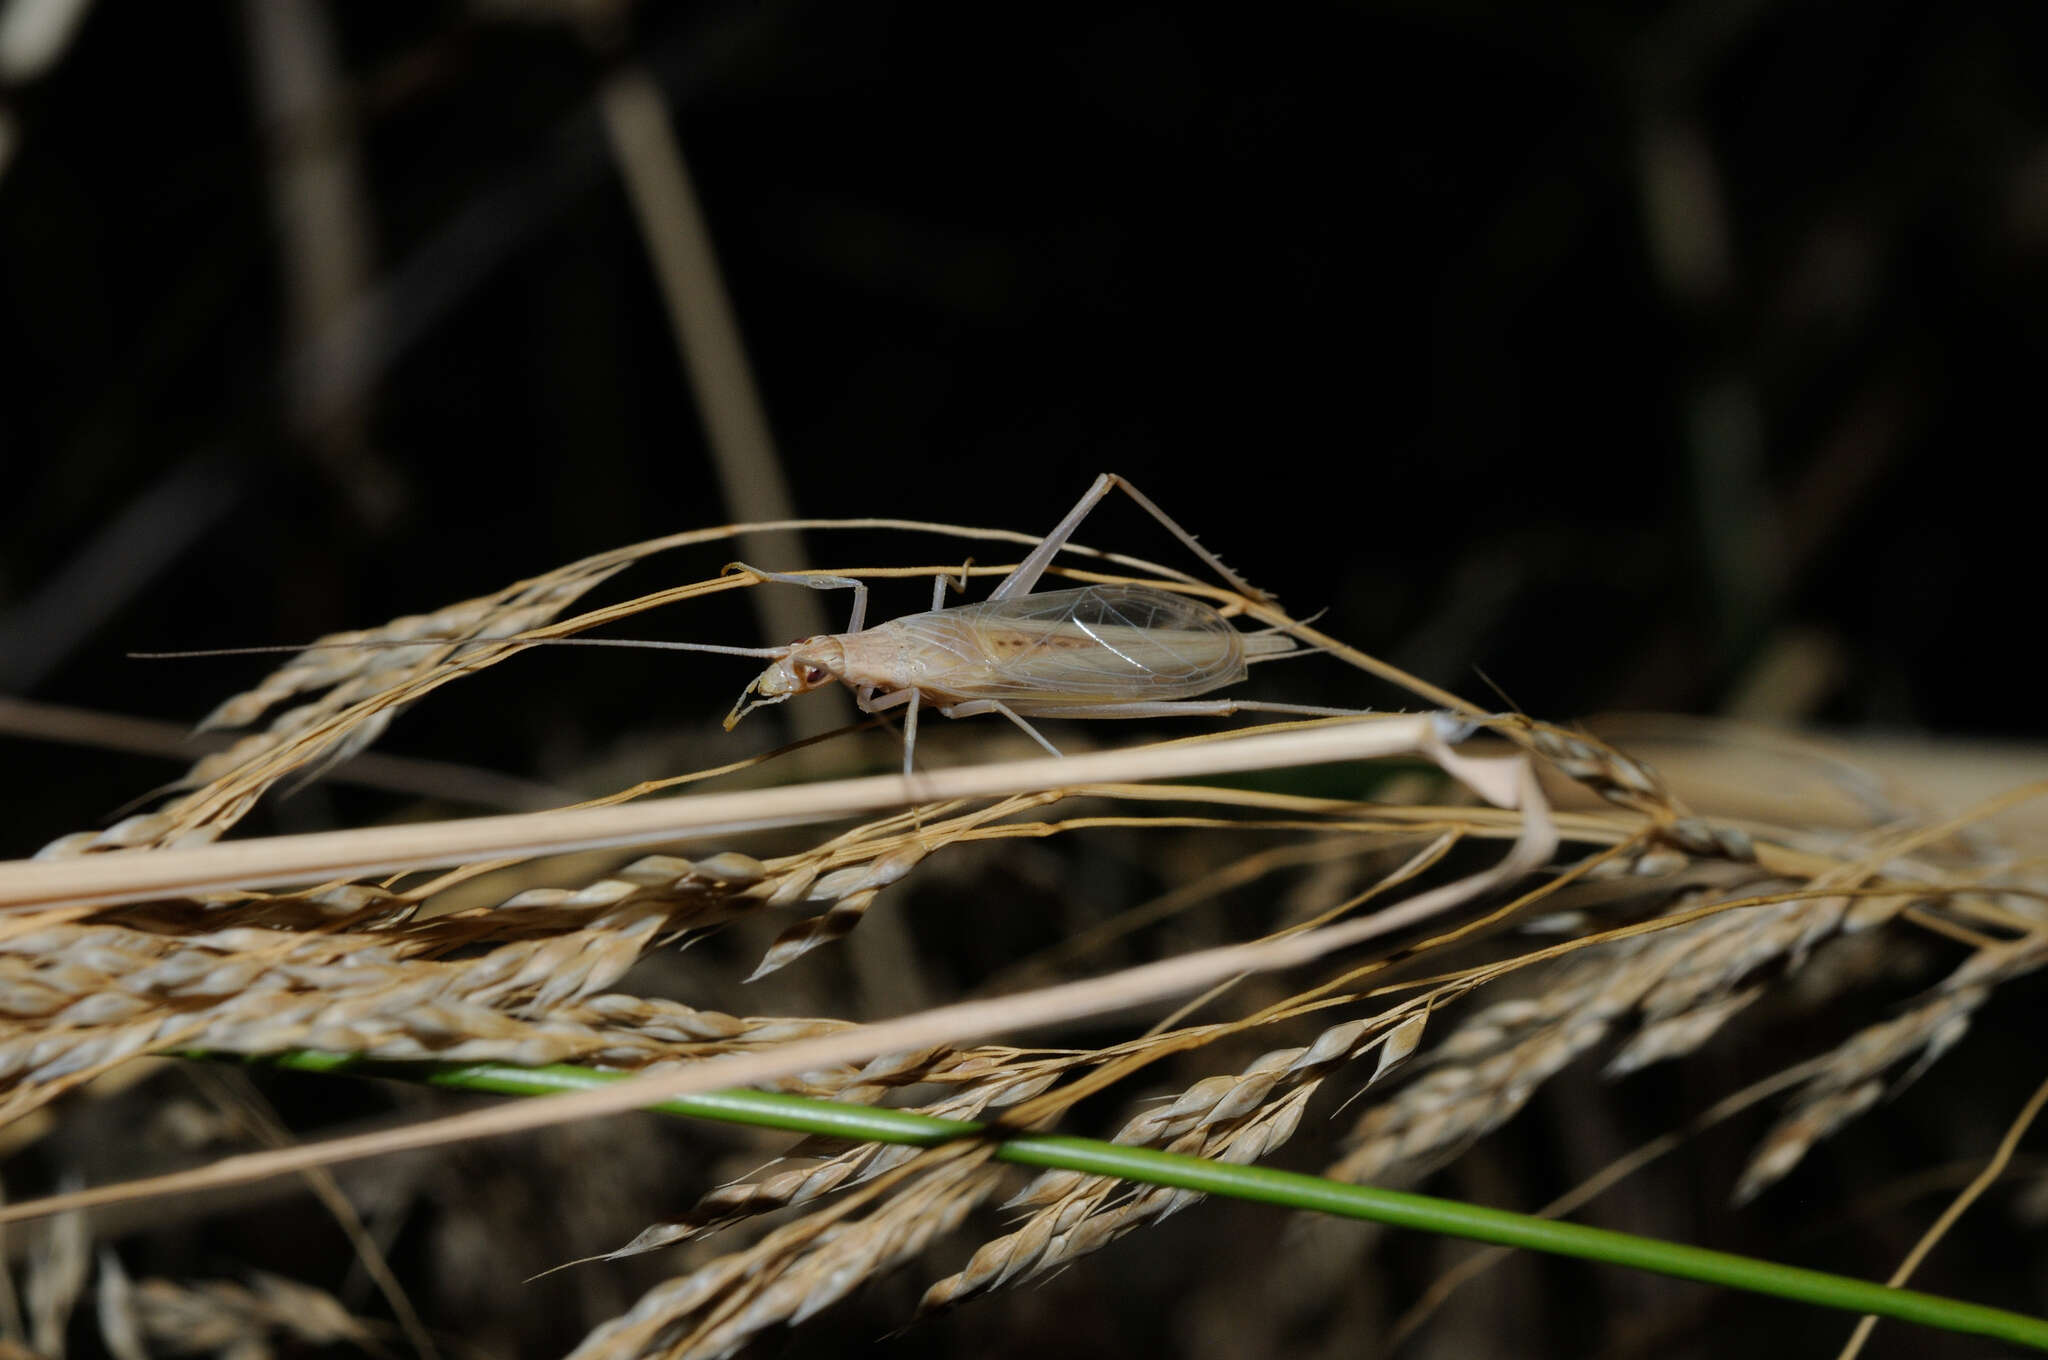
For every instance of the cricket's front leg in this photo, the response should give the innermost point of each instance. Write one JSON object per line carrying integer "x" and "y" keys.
{"x": 864, "y": 698}
{"x": 859, "y": 588}
{"x": 940, "y": 585}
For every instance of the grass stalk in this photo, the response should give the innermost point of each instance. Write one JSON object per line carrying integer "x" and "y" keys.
{"x": 110, "y": 879}
{"x": 1258, "y": 1184}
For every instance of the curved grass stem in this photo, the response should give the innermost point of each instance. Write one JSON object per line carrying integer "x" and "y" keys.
{"x": 1285, "y": 1189}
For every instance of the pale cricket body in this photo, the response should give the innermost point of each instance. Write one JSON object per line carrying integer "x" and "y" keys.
{"x": 1100, "y": 651}
{"x": 1044, "y": 654}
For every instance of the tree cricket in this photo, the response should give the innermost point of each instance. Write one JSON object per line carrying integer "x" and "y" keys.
{"x": 1099, "y": 651}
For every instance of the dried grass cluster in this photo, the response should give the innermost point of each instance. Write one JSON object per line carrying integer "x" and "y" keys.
{"x": 1676, "y": 925}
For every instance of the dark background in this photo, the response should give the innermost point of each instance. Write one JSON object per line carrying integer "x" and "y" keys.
{"x": 1621, "y": 351}
{"x": 1372, "y": 297}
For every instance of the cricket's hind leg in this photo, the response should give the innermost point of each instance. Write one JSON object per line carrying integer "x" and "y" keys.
{"x": 912, "y": 700}
{"x": 973, "y": 707}
{"x": 1203, "y": 708}
{"x": 1147, "y": 708}
{"x": 1028, "y": 572}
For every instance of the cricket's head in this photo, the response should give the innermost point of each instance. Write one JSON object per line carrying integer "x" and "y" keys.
{"x": 807, "y": 665}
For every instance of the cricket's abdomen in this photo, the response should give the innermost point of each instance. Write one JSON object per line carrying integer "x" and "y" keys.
{"x": 1039, "y": 653}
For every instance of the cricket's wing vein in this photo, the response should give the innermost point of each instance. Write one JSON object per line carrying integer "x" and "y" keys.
{"x": 1098, "y": 644}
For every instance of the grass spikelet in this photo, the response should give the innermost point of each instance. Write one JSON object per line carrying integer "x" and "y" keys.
{"x": 223, "y": 1317}
{"x": 797, "y": 1270}
{"x": 1237, "y": 1118}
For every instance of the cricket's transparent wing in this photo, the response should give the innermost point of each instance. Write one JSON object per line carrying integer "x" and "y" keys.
{"x": 1095, "y": 645}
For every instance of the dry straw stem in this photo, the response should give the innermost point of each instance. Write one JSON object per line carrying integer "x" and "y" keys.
{"x": 30, "y": 720}
{"x": 1841, "y": 781}
{"x": 1230, "y": 1118}
{"x": 1993, "y": 1169}
{"x": 343, "y": 969}
{"x": 1682, "y": 977}
{"x": 1019, "y": 1084}
{"x": 105, "y": 880}
{"x": 1507, "y": 782}
{"x": 640, "y": 127}
{"x": 1267, "y": 1097}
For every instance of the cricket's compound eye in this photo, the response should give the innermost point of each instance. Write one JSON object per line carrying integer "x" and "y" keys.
{"x": 811, "y": 675}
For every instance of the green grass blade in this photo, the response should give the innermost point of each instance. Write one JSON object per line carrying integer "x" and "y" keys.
{"x": 1286, "y": 1189}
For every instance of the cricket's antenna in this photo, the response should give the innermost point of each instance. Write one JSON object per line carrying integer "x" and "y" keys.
{"x": 1505, "y": 697}
{"x": 639, "y": 643}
